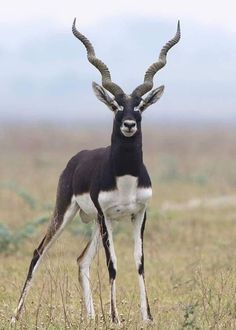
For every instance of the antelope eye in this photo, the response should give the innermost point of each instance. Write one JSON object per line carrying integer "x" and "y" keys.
{"x": 141, "y": 106}
{"x": 136, "y": 108}
{"x": 120, "y": 108}
{"x": 116, "y": 107}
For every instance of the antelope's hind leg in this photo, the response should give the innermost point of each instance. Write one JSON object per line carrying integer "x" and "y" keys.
{"x": 58, "y": 222}
{"x": 84, "y": 262}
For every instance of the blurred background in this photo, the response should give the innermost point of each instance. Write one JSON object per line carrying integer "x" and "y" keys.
{"x": 48, "y": 112}
{"x": 46, "y": 75}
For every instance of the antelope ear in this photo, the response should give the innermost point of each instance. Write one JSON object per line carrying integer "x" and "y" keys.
{"x": 152, "y": 97}
{"x": 102, "y": 95}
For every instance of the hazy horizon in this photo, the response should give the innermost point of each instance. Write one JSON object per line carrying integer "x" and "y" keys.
{"x": 46, "y": 75}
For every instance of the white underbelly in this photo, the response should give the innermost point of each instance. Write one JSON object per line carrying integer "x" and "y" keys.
{"x": 123, "y": 202}
{"x": 121, "y": 211}
{"x": 86, "y": 205}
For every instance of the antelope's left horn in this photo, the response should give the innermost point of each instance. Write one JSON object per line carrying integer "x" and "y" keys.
{"x": 152, "y": 70}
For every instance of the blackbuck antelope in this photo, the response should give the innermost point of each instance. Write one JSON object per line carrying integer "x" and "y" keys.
{"x": 107, "y": 184}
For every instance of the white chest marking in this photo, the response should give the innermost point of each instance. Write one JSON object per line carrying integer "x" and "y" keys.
{"x": 126, "y": 200}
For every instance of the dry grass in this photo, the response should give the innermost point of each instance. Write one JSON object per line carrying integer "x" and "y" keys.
{"x": 189, "y": 252}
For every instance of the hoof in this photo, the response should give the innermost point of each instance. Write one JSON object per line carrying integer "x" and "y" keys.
{"x": 149, "y": 322}
{"x": 115, "y": 320}
{"x": 13, "y": 321}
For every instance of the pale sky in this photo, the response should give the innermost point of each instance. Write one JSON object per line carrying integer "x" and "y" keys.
{"x": 45, "y": 73}
{"x": 208, "y": 12}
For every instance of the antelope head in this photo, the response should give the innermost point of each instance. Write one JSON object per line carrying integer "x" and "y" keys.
{"x": 127, "y": 108}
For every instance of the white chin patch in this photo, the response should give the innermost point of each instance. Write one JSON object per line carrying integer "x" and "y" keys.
{"x": 126, "y": 132}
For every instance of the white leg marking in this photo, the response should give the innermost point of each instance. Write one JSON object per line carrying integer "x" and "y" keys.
{"x": 111, "y": 247}
{"x": 84, "y": 262}
{"x": 113, "y": 308}
{"x": 138, "y": 253}
{"x": 68, "y": 216}
{"x": 143, "y": 298}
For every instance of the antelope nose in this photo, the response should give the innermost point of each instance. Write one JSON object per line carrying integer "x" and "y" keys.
{"x": 129, "y": 124}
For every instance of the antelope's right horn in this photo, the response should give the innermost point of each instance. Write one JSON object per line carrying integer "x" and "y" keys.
{"x": 106, "y": 76}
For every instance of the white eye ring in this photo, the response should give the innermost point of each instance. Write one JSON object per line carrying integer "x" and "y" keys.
{"x": 140, "y": 106}
{"x": 118, "y": 107}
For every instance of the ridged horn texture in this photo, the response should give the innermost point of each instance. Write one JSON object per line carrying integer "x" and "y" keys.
{"x": 106, "y": 76}
{"x": 152, "y": 70}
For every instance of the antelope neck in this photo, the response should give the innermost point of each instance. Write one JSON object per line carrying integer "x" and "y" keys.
{"x": 127, "y": 155}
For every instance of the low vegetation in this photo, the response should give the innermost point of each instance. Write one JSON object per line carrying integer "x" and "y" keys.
{"x": 189, "y": 246}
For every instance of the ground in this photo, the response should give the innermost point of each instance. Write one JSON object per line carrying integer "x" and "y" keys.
{"x": 189, "y": 239}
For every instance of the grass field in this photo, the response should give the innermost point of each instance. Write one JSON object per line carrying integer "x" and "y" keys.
{"x": 190, "y": 238}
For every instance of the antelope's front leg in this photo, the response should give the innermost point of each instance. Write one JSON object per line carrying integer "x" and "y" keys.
{"x": 106, "y": 232}
{"x": 139, "y": 226}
